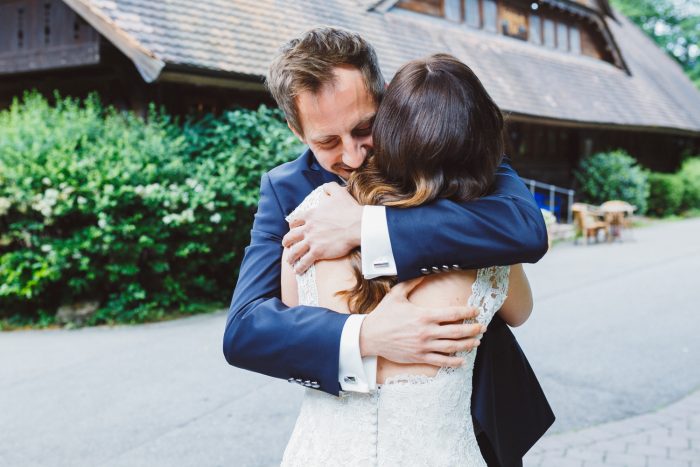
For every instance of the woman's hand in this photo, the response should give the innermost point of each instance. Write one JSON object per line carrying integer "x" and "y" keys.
{"x": 329, "y": 231}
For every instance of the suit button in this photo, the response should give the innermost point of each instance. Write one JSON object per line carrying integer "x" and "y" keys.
{"x": 445, "y": 267}
{"x": 315, "y": 385}
{"x": 424, "y": 271}
{"x": 435, "y": 269}
{"x": 456, "y": 267}
{"x": 290, "y": 380}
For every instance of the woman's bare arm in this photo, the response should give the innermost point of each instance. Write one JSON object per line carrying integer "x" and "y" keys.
{"x": 290, "y": 293}
{"x": 518, "y": 306}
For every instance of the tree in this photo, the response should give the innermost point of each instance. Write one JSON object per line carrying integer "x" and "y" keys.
{"x": 673, "y": 24}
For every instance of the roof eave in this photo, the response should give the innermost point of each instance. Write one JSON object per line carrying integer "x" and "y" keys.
{"x": 570, "y": 123}
{"x": 148, "y": 65}
{"x": 185, "y": 74}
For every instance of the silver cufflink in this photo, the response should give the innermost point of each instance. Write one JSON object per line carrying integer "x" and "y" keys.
{"x": 349, "y": 379}
{"x": 382, "y": 262}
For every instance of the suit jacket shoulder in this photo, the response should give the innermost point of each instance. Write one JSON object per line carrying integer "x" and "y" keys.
{"x": 292, "y": 181}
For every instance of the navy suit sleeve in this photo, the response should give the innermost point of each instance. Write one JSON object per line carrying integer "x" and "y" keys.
{"x": 502, "y": 228}
{"x": 264, "y": 335}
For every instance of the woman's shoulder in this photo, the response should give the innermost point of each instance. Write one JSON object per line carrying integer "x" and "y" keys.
{"x": 310, "y": 202}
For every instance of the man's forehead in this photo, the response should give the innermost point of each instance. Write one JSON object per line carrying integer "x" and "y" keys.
{"x": 337, "y": 106}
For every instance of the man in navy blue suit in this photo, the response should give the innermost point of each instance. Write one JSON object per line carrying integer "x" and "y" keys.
{"x": 328, "y": 83}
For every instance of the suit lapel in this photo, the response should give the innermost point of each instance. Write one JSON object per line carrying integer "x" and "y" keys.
{"x": 315, "y": 174}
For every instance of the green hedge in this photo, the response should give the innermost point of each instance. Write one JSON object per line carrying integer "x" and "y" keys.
{"x": 678, "y": 193}
{"x": 690, "y": 175}
{"x": 613, "y": 175}
{"x": 665, "y": 194}
{"x": 142, "y": 216}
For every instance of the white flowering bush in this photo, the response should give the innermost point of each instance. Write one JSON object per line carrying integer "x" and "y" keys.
{"x": 142, "y": 216}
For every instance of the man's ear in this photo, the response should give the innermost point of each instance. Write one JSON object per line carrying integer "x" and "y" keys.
{"x": 301, "y": 138}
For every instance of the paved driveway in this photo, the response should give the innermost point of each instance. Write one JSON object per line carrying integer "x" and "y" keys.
{"x": 614, "y": 333}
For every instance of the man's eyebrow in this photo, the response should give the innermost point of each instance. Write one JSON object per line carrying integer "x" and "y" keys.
{"x": 322, "y": 138}
{"x": 369, "y": 119}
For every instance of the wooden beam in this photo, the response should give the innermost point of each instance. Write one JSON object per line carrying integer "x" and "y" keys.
{"x": 215, "y": 81}
{"x": 64, "y": 56}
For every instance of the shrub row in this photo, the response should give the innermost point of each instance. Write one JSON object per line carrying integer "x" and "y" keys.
{"x": 139, "y": 215}
{"x": 616, "y": 175}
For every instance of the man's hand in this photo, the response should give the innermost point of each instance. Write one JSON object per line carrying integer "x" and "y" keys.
{"x": 405, "y": 333}
{"x": 328, "y": 231}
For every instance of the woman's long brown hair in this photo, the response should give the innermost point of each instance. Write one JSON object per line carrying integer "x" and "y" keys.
{"x": 437, "y": 134}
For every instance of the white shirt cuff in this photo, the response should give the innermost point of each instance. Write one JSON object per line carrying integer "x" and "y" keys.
{"x": 377, "y": 257}
{"x": 355, "y": 373}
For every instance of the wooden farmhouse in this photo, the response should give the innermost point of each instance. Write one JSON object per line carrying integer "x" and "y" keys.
{"x": 573, "y": 76}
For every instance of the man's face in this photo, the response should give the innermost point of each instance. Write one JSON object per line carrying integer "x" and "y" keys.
{"x": 337, "y": 122}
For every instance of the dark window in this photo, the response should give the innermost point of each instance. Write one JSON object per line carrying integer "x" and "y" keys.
{"x": 47, "y": 23}
{"x": 20, "y": 28}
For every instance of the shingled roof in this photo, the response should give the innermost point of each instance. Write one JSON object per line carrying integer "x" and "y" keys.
{"x": 239, "y": 38}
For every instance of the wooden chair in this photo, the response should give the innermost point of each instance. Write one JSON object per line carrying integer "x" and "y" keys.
{"x": 586, "y": 223}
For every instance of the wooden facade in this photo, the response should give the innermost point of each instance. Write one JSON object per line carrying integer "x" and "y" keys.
{"x": 44, "y": 45}
{"x": 550, "y": 152}
{"x": 44, "y": 34}
{"x": 551, "y": 24}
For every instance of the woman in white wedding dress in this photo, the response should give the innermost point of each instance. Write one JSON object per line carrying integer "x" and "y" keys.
{"x": 424, "y": 150}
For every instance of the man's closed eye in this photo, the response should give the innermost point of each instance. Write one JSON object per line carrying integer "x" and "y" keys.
{"x": 328, "y": 144}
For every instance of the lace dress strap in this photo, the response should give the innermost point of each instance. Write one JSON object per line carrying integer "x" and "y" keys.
{"x": 489, "y": 291}
{"x": 306, "y": 283}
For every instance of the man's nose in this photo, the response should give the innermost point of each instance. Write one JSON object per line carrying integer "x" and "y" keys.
{"x": 354, "y": 156}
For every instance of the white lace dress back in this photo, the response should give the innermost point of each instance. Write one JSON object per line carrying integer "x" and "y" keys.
{"x": 410, "y": 420}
